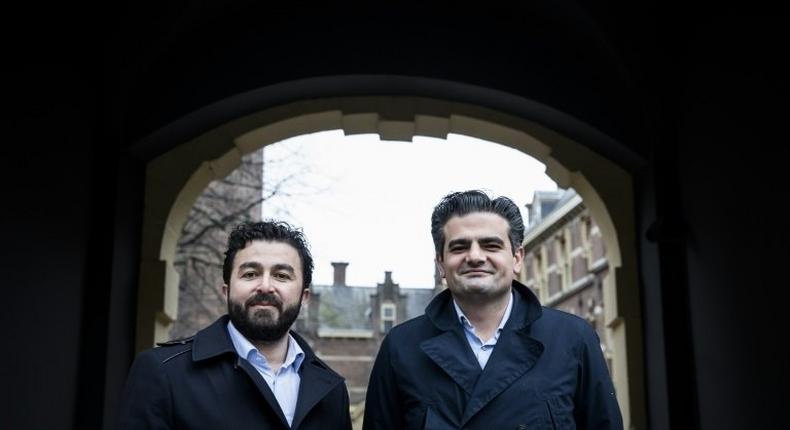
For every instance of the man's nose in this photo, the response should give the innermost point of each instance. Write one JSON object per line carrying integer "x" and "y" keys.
{"x": 475, "y": 254}
{"x": 265, "y": 285}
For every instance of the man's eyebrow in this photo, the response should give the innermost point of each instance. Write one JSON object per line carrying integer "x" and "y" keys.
{"x": 482, "y": 240}
{"x": 249, "y": 265}
{"x": 492, "y": 239}
{"x": 458, "y": 242}
{"x": 283, "y": 266}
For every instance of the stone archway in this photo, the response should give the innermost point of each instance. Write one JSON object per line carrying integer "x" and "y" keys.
{"x": 175, "y": 179}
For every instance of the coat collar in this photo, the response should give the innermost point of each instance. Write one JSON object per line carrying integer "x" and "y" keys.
{"x": 213, "y": 341}
{"x": 441, "y": 313}
{"x": 515, "y": 353}
{"x": 317, "y": 379}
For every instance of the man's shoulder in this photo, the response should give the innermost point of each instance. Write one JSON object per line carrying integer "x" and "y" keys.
{"x": 167, "y": 352}
{"x": 563, "y": 322}
{"x": 417, "y": 326}
{"x": 177, "y": 342}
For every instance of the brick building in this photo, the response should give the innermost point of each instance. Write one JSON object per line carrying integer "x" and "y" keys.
{"x": 565, "y": 259}
{"x": 345, "y": 324}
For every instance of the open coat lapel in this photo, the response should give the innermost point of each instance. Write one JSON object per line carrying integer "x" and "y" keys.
{"x": 214, "y": 341}
{"x": 450, "y": 349}
{"x": 263, "y": 388}
{"x": 451, "y": 352}
{"x": 317, "y": 380}
{"x": 515, "y": 353}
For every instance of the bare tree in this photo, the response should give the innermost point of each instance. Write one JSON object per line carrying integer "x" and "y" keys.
{"x": 224, "y": 204}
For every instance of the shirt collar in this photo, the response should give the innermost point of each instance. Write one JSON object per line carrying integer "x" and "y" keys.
{"x": 247, "y": 350}
{"x": 465, "y": 321}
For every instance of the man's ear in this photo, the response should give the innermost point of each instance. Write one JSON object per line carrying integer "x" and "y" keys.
{"x": 439, "y": 266}
{"x": 518, "y": 260}
{"x": 225, "y": 291}
{"x": 306, "y": 295}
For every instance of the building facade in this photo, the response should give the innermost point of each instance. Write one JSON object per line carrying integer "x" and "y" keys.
{"x": 345, "y": 324}
{"x": 565, "y": 259}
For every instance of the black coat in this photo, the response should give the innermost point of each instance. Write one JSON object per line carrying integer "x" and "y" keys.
{"x": 546, "y": 372}
{"x": 201, "y": 383}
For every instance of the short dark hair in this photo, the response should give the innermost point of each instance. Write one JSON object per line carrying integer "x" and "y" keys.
{"x": 271, "y": 231}
{"x": 466, "y": 202}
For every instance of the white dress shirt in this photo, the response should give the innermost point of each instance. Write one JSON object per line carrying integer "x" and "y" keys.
{"x": 284, "y": 382}
{"x": 482, "y": 350}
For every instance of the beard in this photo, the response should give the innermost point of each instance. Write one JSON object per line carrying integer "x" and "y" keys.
{"x": 262, "y": 324}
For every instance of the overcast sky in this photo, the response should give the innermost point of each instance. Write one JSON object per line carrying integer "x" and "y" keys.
{"x": 368, "y": 202}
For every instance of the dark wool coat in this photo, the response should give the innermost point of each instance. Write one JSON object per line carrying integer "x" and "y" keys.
{"x": 547, "y": 371}
{"x": 201, "y": 383}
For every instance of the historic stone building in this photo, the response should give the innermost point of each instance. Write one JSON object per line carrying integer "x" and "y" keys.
{"x": 345, "y": 324}
{"x": 565, "y": 258}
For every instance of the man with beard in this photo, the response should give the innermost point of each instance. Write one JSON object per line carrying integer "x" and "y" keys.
{"x": 246, "y": 370}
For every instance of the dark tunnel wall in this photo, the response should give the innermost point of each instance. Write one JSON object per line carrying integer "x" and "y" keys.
{"x": 700, "y": 98}
{"x": 548, "y": 51}
{"x": 730, "y": 162}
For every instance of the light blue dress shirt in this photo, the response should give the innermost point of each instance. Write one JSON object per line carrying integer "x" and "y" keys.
{"x": 284, "y": 382}
{"x": 482, "y": 350}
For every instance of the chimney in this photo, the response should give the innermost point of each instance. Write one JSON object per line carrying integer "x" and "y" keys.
{"x": 340, "y": 274}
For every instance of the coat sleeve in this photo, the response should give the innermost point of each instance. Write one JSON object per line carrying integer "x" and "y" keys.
{"x": 383, "y": 407}
{"x": 596, "y": 403}
{"x": 146, "y": 398}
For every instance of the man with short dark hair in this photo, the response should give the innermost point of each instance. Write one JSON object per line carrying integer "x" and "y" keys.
{"x": 486, "y": 355}
{"x": 246, "y": 370}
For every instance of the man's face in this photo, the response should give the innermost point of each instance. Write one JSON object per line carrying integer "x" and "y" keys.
{"x": 477, "y": 259}
{"x": 265, "y": 291}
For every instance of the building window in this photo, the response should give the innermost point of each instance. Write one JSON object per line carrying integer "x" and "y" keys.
{"x": 587, "y": 240}
{"x": 564, "y": 257}
{"x": 388, "y": 316}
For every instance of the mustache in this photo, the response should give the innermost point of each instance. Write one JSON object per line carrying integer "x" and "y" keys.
{"x": 261, "y": 298}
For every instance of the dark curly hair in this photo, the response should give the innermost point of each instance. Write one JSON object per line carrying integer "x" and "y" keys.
{"x": 466, "y": 202}
{"x": 274, "y": 231}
